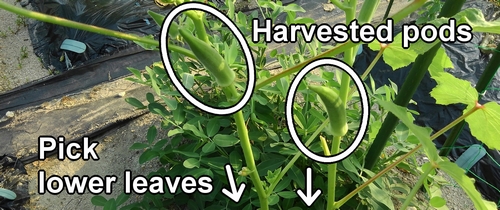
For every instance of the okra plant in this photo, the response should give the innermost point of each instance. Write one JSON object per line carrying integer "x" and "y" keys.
{"x": 255, "y": 140}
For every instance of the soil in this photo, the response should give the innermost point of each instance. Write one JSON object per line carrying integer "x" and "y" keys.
{"x": 18, "y": 66}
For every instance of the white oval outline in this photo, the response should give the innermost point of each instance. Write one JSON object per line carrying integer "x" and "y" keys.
{"x": 241, "y": 39}
{"x": 365, "y": 110}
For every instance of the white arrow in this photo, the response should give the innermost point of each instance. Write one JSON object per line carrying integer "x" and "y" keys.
{"x": 235, "y": 193}
{"x": 309, "y": 198}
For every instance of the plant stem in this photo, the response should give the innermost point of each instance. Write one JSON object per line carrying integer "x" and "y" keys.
{"x": 370, "y": 67}
{"x": 324, "y": 146}
{"x": 332, "y": 174}
{"x": 392, "y": 165}
{"x": 416, "y": 188}
{"x": 199, "y": 25}
{"x": 388, "y": 10}
{"x": 410, "y": 85}
{"x": 350, "y": 15}
{"x": 339, "y": 4}
{"x": 182, "y": 50}
{"x": 74, "y": 24}
{"x": 249, "y": 159}
{"x": 296, "y": 156}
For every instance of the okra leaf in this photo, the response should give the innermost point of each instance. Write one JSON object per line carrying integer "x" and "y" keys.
{"x": 187, "y": 80}
{"x": 151, "y": 135}
{"x": 421, "y": 133}
{"x": 98, "y": 200}
{"x": 223, "y": 140}
{"x": 484, "y": 124}
{"x": 122, "y": 198}
{"x": 213, "y": 127}
{"x": 110, "y": 205}
{"x": 452, "y": 90}
{"x": 458, "y": 174}
{"x": 158, "y": 18}
{"x": 135, "y": 102}
{"x": 395, "y": 55}
{"x": 440, "y": 62}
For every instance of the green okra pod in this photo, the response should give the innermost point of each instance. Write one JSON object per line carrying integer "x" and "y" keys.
{"x": 210, "y": 58}
{"x": 335, "y": 108}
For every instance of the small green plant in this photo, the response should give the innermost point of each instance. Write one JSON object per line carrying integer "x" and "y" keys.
{"x": 23, "y": 55}
{"x": 3, "y": 34}
{"x": 21, "y": 21}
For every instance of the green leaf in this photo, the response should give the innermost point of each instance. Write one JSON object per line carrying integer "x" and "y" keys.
{"x": 213, "y": 127}
{"x": 475, "y": 18}
{"x": 157, "y": 108}
{"x": 437, "y": 202}
{"x": 208, "y": 147}
{"x": 303, "y": 20}
{"x": 7, "y": 194}
{"x": 191, "y": 163}
{"x": 395, "y": 55}
{"x": 147, "y": 156}
{"x": 223, "y": 140}
{"x": 268, "y": 165}
{"x": 150, "y": 97}
{"x": 110, "y": 205}
{"x": 421, "y": 133}
{"x": 287, "y": 194}
{"x": 174, "y": 132}
{"x": 135, "y": 102}
{"x": 294, "y": 8}
{"x": 187, "y": 154}
{"x": 153, "y": 79}
{"x": 451, "y": 90}
{"x": 484, "y": 124}
{"x": 231, "y": 54}
{"x": 440, "y": 62}
{"x": 152, "y": 132}
{"x": 171, "y": 103}
{"x": 147, "y": 46}
{"x": 138, "y": 145}
{"x": 98, "y": 200}
{"x": 380, "y": 196}
{"x": 467, "y": 184}
{"x": 187, "y": 80}
{"x": 194, "y": 129}
{"x": 122, "y": 198}
{"x": 158, "y": 18}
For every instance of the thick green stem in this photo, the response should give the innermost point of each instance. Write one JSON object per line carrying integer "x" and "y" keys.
{"x": 74, "y": 24}
{"x": 483, "y": 82}
{"x": 332, "y": 174}
{"x": 197, "y": 17}
{"x": 339, "y": 4}
{"x": 350, "y": 15}
{"x": 249, "y": 159}
{"x": 392, "y": 165}
{"x": 416, "y": 188}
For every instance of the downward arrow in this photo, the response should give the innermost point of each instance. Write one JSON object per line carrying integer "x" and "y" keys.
{"x": 235, "y": 193}
{"x": 309, "y": 198}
